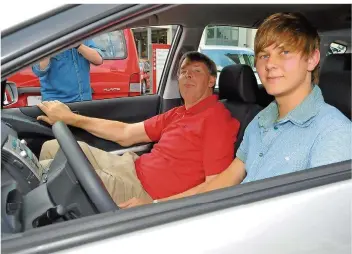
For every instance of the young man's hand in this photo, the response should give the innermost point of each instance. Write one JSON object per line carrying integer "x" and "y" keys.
{"x": 134, "y": 202}
{"x": 55, "y": 111}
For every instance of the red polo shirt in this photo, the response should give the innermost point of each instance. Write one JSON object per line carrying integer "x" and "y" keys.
{"x": 192, "y": 144}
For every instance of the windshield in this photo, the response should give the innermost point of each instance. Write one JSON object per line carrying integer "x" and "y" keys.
{"x": 225, "y": 57}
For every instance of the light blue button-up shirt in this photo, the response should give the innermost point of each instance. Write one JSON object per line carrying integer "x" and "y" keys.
{"x": 67, "y": 77}
{"x": 313, "y": 134}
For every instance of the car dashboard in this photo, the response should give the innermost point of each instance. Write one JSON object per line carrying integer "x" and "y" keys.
{"x": 33, "y": 196}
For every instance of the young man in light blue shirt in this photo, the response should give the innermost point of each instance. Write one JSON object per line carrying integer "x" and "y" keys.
{"x": 298, "y": 130}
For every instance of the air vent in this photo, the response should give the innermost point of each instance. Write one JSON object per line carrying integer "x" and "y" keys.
{"x": 6, "y": 156}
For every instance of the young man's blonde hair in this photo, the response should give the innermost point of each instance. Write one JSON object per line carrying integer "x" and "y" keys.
{"x": 293, "y": 31}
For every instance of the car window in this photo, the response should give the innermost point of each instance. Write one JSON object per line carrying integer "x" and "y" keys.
{"x": 126, "y": 70}
{"x": 227, "y": 45}
{"x": 225, "y": 57}
{"x": 112, "y": 45}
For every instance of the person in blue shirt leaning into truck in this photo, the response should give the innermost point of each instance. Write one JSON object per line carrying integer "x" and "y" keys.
{"x": 66, "y": 76}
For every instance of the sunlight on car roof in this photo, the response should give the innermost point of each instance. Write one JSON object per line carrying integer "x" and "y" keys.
{"x": 26, "y": 12}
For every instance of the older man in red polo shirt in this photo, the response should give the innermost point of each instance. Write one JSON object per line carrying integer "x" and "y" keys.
{"x": 195, "y": 142}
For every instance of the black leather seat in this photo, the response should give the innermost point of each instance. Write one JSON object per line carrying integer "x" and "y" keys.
{"x": 237, "y": 90}
{"x": 335, "y": 82}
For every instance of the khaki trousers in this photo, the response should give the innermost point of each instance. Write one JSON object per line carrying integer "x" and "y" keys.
{"x": 118, "y": 173}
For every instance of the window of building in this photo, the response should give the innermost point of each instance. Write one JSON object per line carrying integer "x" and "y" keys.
{"x": 222, "y": 35}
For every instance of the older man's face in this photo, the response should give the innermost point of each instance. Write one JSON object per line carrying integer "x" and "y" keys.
{"x": 195, "y": 81}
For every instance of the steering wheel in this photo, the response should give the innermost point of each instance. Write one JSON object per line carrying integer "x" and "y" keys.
{"x": 83, "y": 170}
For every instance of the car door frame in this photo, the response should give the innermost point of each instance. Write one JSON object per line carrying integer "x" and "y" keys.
{"x": 114, "y": 225}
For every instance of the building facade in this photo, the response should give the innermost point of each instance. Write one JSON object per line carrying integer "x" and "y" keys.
{"x": 212, "y": 35}
{"x": 228, "y": 36}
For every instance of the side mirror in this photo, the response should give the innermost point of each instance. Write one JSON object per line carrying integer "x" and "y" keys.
{"x": 11, "y": 94}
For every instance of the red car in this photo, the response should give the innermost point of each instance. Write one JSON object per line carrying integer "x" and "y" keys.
{"x": 118, "y": 76}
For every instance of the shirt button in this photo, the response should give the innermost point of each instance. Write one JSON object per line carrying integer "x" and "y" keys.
{"x": 261, "y": 154}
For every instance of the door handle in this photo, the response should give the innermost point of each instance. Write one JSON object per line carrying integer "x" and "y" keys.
{"x": 113, "y": 68}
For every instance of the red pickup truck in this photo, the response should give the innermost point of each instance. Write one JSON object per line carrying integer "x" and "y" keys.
{"x": 119, "y": 75}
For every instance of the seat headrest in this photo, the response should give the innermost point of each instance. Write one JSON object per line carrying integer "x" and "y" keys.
{"x": 337, "y": 62}
{"x": 335, "y": 82}
{"x": 238, "y": 83}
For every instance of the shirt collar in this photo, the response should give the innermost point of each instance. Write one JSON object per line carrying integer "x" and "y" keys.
{"x": 300, "y": 116}
{"x": 200, "y": 106}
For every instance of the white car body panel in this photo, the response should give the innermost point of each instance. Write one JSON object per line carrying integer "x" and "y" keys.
{"x": 287, "y": 225}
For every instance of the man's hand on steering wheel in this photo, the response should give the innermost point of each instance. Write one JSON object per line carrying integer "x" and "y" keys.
{"x": 55, "y": 111}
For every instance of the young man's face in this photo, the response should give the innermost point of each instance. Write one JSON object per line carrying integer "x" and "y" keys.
{"x": 195, "y": 81}
{"x": 282, "y": 71}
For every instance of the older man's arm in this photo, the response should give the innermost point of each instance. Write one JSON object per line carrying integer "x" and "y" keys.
{"x": 122, "y": 133}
